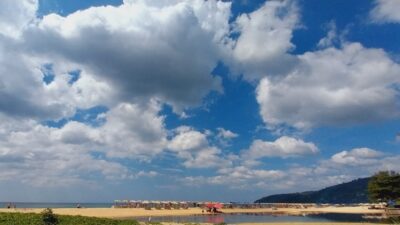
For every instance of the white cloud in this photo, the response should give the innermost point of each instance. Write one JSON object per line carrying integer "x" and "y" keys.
{"x": 206, "y": 158}
{"x": 350, "y": 85}
{"x": 226, "y": 134}
{"x": 357, "y": 156}
{"x": 133, "y": 58}
{"x": 236, "y": 178}
{"x": 16, "y": 15}
{"x": 265, "y": 40}
{"x": 331, "y": 36}
{"x": 341, "y": 167}
{"x": 45, "y": 156}
{"x": 133, "y": 131}
{"x": 23, "y": 93}
{"x": 281, "y": 147}
{"x": 194, "y": 148}
{"x": 142, "y": 49}
{"x": 386, "y": 11}
{"x": 188, "y": 139}
{"x": 138, "y": 56}
{"x": 147, "y": 173}
{"x": 224, "y": 137}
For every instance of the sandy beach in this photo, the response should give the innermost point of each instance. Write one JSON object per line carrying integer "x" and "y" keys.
{"x": 139, "y": 212}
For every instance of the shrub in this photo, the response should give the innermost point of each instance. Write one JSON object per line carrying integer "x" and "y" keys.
{"x": 49, "y": 218}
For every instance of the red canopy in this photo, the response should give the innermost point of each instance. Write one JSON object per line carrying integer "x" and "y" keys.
{"x": 216, "y": 205}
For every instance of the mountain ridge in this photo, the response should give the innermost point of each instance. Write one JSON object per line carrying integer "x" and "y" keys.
{"x": 354, "y": 191}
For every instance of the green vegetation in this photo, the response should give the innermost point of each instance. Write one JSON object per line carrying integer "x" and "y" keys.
{"x": 395, "y": 220}
{"x": 49, "y": 218}
{"x": 391, "y": 220}
{"x": 39, "y": 219}
{"x": 153, "y": 223}
{"x": 384, "y": 186}
{"x": 346, "y": 193}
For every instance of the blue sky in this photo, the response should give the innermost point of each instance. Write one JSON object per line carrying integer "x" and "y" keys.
{"x": 195, "y": 100}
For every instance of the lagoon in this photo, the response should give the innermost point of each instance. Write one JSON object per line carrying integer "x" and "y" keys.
{"x": 265, "y": 218}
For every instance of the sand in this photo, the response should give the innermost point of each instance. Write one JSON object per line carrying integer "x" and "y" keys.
{"x": 127, "y": 213}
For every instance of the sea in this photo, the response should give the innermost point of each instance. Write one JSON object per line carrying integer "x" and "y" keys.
{"x": 55, "y": 205}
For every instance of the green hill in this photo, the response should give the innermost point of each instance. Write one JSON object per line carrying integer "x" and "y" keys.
{"x": 346, "y": 193}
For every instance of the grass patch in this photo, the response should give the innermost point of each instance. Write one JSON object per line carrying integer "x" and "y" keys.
{"x": 37, "y": 219}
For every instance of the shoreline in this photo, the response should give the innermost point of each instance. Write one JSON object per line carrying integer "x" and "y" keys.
{"x": 124, "y": 213}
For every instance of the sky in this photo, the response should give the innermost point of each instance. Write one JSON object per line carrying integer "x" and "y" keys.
{"x": 195, "y": 100}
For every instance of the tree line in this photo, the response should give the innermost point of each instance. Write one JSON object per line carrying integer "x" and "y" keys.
{"x": 384, "y": 186}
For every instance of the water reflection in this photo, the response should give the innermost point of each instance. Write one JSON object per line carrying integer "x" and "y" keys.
{"x": 267, "y": 217}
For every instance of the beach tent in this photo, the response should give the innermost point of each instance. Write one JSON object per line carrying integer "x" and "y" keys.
{"x": 216, "y": 205}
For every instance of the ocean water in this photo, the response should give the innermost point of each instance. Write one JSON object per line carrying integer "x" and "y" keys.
{"x": 56, "y": 205}
{"x": 261, "y": 218}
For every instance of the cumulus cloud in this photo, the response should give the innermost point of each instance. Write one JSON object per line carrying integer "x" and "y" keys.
{"x": 345, "y": 166}
{"x": 350, "y": 85}
{"x": 357, "y": 156}
{"x": 386, "y": 11}
{"x": 193, "y": 146}
{"x": 16, "y": 15}
{"x": 44, "y": 156}
{"x": 24, "y": 93}
{"x": 236, "y": 177}
{"x": 245, "y": 168}
{"x": 132, "y": 131}
{"x": 282, "y": 147}
{"x": 132, "y": 58}
{"x": 40, "y": 155}
{"x": 225, "y": 137}
{"x": 143, "y": 49}
{"x": 265, "y": 40}
{"x": 138, "y": 56}
{"x": 341, "y": 167}
{"x": 226, "y": 134}
{"x": 331, "y": 37}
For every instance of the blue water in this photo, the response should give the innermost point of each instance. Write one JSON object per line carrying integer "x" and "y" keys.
{"x": 55, "y": 205}
{"x": 260, "y": 218}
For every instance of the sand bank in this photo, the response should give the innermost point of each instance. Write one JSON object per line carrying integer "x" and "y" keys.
{"x": 133, "y": 212}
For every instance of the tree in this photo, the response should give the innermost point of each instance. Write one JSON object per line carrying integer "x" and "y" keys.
{"x": 49, "y": 218}
{"x": 384, "y": 186}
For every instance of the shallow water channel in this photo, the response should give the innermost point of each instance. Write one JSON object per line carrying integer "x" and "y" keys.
{"x": 264, "y": 217}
